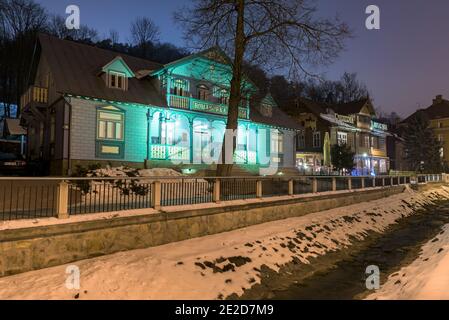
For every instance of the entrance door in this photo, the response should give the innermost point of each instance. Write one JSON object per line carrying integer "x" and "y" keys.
{"x": 201, "y": 146}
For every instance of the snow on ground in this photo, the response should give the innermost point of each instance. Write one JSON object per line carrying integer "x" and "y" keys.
{"x": 427, "y": 278}
{"x": 218, "y": 265}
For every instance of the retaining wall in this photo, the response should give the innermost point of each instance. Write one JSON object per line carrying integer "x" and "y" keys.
{"x": 45, "y": 246}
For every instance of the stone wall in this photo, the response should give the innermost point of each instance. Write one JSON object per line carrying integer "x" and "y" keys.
{"x": 40, "y": 247}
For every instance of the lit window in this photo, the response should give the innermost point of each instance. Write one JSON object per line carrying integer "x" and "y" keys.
{"x": 342, "y": 138}
{"x": 117, "y": 80}
{"x": 180, "y": 87}
{"x": 317, "y": 139}
{"x": 277, "y": 143}
{"x": 110, "y": 125}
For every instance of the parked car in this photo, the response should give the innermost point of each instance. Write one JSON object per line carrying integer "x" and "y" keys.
{"x": 12, "y": 164}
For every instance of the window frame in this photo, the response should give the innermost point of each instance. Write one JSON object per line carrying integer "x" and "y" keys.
{"x": 117, "y": 75}
{"x": 340, "y": 140}
{"x": 114, "y": 122}
{"x": 314, "y": 140}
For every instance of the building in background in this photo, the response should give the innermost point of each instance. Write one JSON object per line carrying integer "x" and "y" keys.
{"x": 89, "y": 105}
{"x": 438, "y": 116}
{"x": 353, "y": 124}
{"x": 12, "y": 137}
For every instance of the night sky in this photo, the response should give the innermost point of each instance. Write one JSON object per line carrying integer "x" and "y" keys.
{"x": 404, "y": 65}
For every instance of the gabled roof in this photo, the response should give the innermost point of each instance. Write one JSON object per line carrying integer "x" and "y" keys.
{"x": 12, "y": 127}
{"x": 438, "y": 110}
{"x": 75, "y": 67}
{"x": 353, "y": 107}
{"x": 118, "y": 61}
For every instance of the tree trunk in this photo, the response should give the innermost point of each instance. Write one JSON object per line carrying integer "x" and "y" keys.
{"x": 225, "y": 169}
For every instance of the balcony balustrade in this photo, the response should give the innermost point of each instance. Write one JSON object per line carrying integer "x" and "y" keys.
{"x": 34, "y": 95}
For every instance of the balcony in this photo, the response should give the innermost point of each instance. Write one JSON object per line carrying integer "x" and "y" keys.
{"x": 34, "y": 96}
{"x": 163, "y": 152}
{"x": 378, "y": 152}
{"x": 188, "y": 103}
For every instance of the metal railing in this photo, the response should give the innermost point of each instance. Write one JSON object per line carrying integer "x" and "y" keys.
{"x": 30, "y": 198}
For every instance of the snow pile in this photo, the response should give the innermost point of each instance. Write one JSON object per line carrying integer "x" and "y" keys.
{"x": 216, "y": 266}
{"x": 427, "y": 278}
{"x": 114, "y": 192}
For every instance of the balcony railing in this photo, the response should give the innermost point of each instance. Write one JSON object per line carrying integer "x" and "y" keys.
{"x": 34, "y": 94}
{"x": 203, "y": 106}
{"x": 163, "y": 152}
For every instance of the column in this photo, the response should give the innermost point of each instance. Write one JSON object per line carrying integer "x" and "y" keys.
{"x": 191, "y": 139}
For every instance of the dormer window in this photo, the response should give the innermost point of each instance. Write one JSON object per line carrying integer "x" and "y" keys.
{"x": 117, "y": 80}
{"x": 203, "y": 92}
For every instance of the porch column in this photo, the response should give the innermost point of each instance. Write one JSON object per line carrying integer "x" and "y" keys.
{"x": 247, "y": 143}
{"x": 191, "y": 140}
{"x": 149, "y": 120}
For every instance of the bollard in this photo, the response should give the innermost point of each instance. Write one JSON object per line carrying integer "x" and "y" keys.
{"x": 314, "y": 185}
{"x": 334, "y": 184}
{"x": 349, "y": 183}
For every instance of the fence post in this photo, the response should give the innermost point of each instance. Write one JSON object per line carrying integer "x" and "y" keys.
{"x": 157, "y": 194}
{"x": 334, "y": 184}
{"x": 383, "y": 182}
{"x": 62, "y": 200}
{"x": 349, "y": 183}
{"x": 374, "y": 182}
{"x": 259, "y": 193}
{"x": 290, "y": 187}
{"x": 315, "y": 185}
{"x": 217, "y": 191}
{"x": 363, "y": 183}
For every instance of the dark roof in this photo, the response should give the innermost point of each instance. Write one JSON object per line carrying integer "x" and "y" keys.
{"x": 316, "y": 108}
{"x": 278, "y": 118}
{"x": 75, "y": 68}
{"x": 352, "y": 107}
{"x": 438, "y": 110}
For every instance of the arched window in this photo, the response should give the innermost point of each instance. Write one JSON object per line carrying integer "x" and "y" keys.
{"x": 203, "y": 92}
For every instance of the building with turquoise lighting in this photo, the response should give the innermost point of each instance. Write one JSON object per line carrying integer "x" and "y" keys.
{"x": 87, "y": 105}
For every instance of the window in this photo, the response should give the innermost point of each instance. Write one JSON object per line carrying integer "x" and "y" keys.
{"x": 117, "y": 80}
{"x": 203, "y": 92}
{"x": 301, "y": 141}
{"x": 277, "y": 143}
{"x": 342, "y": 138}
{"x": 52, "y": 128}
{"x": 180, "y": 87}
{"x": 110, "y": 125}
{"x": 367, "y": 144}
{"x": 317, "y": 139}
{"x": 440, "y": 124}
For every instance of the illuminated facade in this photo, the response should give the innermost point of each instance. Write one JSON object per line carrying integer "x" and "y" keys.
{"x": 352, "y": 124}
{"x": 120, "y": 110}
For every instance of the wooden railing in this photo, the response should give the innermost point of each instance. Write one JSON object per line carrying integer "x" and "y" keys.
{"x": 34, "y": 94}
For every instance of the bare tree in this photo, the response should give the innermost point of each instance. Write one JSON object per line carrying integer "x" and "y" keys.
{"x": 144, "y": 32}
{"x": 20, "y": 20}
{"x": 57, "y": 27}
{"x": 269, "y": 33}
{"x": 114, "y": 37}
{"x": 20, "y": 16}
